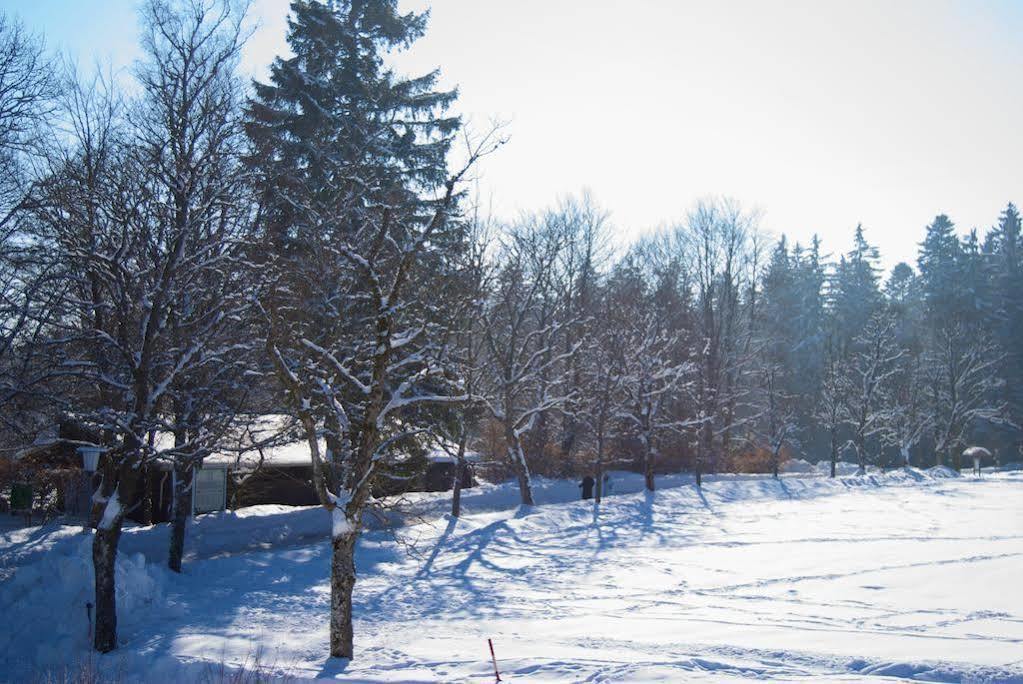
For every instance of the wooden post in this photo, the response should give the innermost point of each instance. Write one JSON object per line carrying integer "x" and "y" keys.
{"x": 493, "y": 658}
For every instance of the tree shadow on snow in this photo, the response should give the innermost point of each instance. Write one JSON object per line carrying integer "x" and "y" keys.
{"x": 333, "y": 668}
{"x": 427, "y": 568}
{"x": 464, "y": 585}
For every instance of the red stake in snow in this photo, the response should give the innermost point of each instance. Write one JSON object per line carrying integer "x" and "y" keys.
{"x": 497, "y": 674}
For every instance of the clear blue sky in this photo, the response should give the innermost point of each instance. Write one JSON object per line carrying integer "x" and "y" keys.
{"x": 820, "y": 113}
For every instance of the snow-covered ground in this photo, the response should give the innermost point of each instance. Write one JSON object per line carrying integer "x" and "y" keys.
{"x": 909, "y": 574}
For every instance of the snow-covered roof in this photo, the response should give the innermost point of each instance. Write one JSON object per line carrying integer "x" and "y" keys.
{"x": 45, "y": 438}
{"x": 271, "y": 440}
{"x": 440, "y": 455}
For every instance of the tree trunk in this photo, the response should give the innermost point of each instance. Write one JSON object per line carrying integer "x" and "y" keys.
{"x": 104, "y": 559}
{"x": 147, "y": 497}
{"x": 180, "y": 513}
{"x": 706, "y": 444}
{"x": 519, "y": 465}
{"x": 648, "y": 465}
{"x": 861, "y": 458}
{"x": 456, "y": 483}
{"x": 342, "y": 582}
{"x": 834, "y": 452}
{"x": 599, "y": 468}
{"x": 525, "y": 489}
{"x": 104, "y": 552}
{"x": 456, "y": 491}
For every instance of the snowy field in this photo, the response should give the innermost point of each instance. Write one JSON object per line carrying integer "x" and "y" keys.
{"x": 908, "y": 575}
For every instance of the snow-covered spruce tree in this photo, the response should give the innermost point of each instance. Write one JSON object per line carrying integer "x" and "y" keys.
{"x": 940, "y": 263}
{"x": 523, "y": 324}
{"x": 854, "y": 294}
{"x": 187, "y": 127}
{"x": 791, "y": 342}
{"x": 355, "y": 201}
{"x": 808, "y": 355}
{"x": 1003, "y": 251}
{"x": 870, "y": 371}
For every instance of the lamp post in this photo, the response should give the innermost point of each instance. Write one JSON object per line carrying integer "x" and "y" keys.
{"x": 90, "y": 458}
{"x": 90, "y": 463}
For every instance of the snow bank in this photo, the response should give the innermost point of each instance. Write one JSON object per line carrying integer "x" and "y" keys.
{"x": 942, "y": 472}
{"x": 273, "y": 525}
{"x": 842, "y": 468}
{"x": 44, "y": 603}
{"x": 797, "y": 465}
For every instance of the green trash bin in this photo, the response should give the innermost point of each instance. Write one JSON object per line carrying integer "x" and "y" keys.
{"x": 21, "y": 496}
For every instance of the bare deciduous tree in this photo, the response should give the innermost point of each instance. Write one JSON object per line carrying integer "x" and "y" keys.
{"x": 522, "y": 325}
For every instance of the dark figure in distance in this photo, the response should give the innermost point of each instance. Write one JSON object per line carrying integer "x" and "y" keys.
{"x": 587, "y": 487}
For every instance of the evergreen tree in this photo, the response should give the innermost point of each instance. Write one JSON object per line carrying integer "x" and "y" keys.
{"x": 807, "y": 357}
{"x": 780, "y": 309}
{"x": 335, "y": 134}
{"x": 855, "y": 294}
{"x": 902, "y": 294}
{"x": 940, "y": 263}
{"x": 973, "y": 282}
{"x": 1002, "y": 249}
